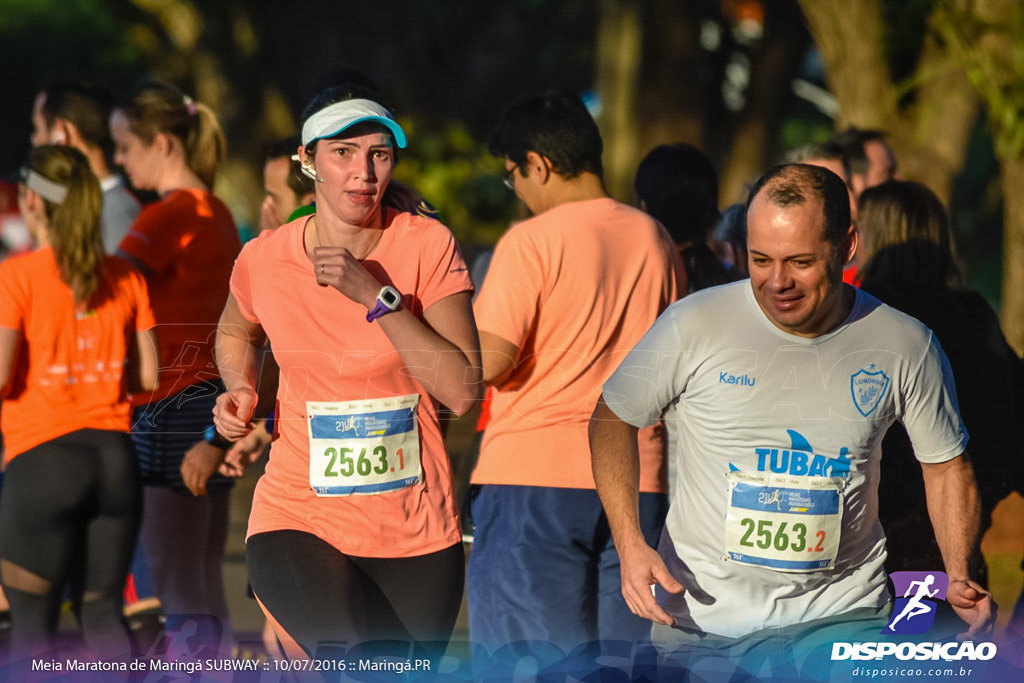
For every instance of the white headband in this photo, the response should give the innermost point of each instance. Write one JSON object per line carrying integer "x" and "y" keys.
{"x": 46, "y": 188}
{"x": 339, "y": 116}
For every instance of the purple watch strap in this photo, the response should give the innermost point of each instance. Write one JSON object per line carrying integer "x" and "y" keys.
{"x": 378, "y": 310}
{"x": 382, "y": 307}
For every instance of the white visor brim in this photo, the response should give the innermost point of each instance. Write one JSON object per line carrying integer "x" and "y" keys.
{"x": 338, "y": 117}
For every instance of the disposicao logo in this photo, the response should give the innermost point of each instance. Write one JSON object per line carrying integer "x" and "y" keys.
{"x": 915, "y": 611}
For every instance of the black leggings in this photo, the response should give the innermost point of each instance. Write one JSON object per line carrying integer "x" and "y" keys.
{"x": 70, "y": 506}
{"x": 324, "y": 598}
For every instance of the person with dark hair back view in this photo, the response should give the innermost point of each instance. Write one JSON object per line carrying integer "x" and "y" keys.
{"x": 909, "y": 262}
{"x": 76, "y": 114}
{"x": 566, "y": 293}
{"x": 75, "y": 338}
{"x": 678, "y": 185}
{"x": 184, "y": 245}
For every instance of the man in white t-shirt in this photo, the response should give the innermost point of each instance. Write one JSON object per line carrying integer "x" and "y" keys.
{"x": 782, "y": 389}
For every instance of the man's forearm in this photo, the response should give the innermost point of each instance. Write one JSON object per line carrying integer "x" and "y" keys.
{"x": 616, "y": 462}
{"x": 955, "y": 512}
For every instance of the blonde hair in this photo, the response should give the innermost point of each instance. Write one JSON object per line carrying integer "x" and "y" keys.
{"x": 74, "y": 224}
{"x": 906, "y": 237}
{"x": 161, "y": 108}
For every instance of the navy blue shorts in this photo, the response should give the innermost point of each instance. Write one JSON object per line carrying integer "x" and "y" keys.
{"x": 544, "y": 568}
{"x": 163, "y": 431}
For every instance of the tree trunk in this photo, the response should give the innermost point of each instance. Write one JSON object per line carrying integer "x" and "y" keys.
{"x": 1011, "y": 173}
{"x": 753, "y": 147}
{"x": 930, "y": 136}
{"x": 985, "y": 36}
{"x": 671, "y": 101}
{"x": 930, "y": 140}
{"x": 619, "y": 45}
{"x": 851, "y": 38}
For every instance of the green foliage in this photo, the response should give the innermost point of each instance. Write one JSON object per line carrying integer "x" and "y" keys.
{"x": 456, "y": 173}
{"x": 998, "y": 74}
{"x": 800, "y": 130}
{"x": 82, "y": 35}
{"x": 42, "y": 40}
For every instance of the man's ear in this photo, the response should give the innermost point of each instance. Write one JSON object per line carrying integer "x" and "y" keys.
{"x": 60, "y": 132}
{"x": 64, "y": 132}
{"x": 540, "y": 166}
{"x": 852, "y": 239}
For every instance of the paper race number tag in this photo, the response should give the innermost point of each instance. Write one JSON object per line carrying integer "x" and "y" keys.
{"x": 782, "y": 522}
{"x": 363, "y": 447}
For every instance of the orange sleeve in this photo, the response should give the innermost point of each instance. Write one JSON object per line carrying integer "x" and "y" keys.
{"x": 241, "y": 285}
{"x": 159, "y": 235}
{"x": 511, "y": 294}
{"x": 12, "y": 297}
{"x": 144, "y": 318}
{"x": 445, "y": 271}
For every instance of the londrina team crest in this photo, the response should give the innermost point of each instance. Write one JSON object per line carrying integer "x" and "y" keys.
{"x": 868, "y": 387}
{"x": 917, "y": 598}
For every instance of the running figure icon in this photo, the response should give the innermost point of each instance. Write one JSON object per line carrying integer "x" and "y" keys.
{"x": 349, "y": 425}
{"x": 915, "y": 606}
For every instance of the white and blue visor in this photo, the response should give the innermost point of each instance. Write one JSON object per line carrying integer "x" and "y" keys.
{"x": 338, "y": 117}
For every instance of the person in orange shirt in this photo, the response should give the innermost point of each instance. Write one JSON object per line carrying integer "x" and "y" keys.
{"x": 567, "y": 293}
{"x": 75, "y": 326}
{"x": 184, "y": 245}
{"x": 354, "y": 533}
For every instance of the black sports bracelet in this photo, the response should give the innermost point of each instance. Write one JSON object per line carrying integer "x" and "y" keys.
{"x": 214, "y": 438}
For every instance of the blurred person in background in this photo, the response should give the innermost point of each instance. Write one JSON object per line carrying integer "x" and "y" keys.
{"x": 75, "y": 330}
{"x": 729, "y": 239}
{"x": 825, "y": 154}
{"x": 289, "y": 192}
{"x": 870, "y": 160}
{"x": 909, "y": 262}
{"x": 184, "y": 245}
{"x": 678, "y": 185}
{"x": 77, "y": 114}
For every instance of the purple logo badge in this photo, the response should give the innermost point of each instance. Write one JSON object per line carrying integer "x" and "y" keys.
{"x": 917, "y": 597}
